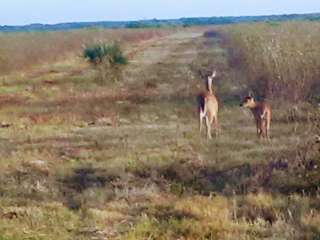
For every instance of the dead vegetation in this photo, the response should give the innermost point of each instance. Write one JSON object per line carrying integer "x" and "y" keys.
{"x": 278, "y": 60}
{"x": 20, "y": 51}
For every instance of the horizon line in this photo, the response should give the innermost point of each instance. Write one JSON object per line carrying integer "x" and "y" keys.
{"x": 160, "y": 19}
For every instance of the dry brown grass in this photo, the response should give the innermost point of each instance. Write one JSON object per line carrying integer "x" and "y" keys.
{"x": 278, "y": 60}
{"x": 19, "y": 51}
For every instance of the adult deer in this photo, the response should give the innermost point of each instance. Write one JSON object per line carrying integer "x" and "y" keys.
{"x": 262, "y": 114}
{"x": 208, "y": 107}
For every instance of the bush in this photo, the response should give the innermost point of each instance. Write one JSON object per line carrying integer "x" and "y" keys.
{"x": 100, "y": 52}
{"x": 108, "y": 58}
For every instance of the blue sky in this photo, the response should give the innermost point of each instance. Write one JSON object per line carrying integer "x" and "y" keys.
{"x": 19, "y": 12}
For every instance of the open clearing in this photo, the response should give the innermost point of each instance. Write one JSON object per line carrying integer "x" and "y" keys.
{"x": 82, "y": 159}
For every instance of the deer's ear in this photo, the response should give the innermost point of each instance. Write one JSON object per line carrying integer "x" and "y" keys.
{"x": 250, "y": 94}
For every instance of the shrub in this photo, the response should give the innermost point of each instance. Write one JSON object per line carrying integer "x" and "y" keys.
{"x": 100, "y": 52}
{"x": 108, "y": 58}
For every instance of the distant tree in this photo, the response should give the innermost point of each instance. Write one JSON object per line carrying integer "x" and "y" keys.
{"x": 136, "y": 24}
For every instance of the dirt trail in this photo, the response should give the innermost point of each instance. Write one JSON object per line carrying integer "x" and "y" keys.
{"x": 163, "y": 63}
{"x": 162, "y": 48}
{"x": 159, "y": 52}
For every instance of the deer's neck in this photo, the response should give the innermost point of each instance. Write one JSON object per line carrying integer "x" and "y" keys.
{"x": 209, "y": 85}
{"x": 255, "y": 107}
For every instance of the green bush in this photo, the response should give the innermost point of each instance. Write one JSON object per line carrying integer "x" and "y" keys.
{"x": 108, "y": 59}
{"x": 100, "y": 52}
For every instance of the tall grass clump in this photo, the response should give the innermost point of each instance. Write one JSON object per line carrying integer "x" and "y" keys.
{"x": 108, "y": 58}
{"x": 281, "y": 60}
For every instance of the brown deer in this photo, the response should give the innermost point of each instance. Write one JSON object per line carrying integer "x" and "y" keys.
{"x": 262, "y": 115}
{"x": 208, "y": 107}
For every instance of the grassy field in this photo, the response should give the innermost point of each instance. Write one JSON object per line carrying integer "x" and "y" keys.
{"x": 81, "y": 159}
{"x": 24, "y": 50}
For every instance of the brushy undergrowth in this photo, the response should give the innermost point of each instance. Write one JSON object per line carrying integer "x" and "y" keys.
{"x": 278, "y": 60}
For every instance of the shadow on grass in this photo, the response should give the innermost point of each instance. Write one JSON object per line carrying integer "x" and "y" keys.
{"x": 165, "y": 213}
{"x": 75, "y": 187}
{"x": 299, "y": 175}
{"x": 84, "y": 178}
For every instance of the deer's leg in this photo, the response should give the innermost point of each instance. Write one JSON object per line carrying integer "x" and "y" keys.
{"x": 268, "y": 129}
{"x": 261, "y": 131}
{"x": 201, "y": 116}
{"x": 258, "y": 128}
{"x": 208, "y": 123}
{"x": 264, "y": 133}
{"x": 265, "y": 128}
{"x": 261, "y": 127}
{"x": 216, "y": 124}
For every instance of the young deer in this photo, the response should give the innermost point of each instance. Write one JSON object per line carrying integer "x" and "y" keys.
{"x": 262, "y": 115}
{"x": 208, "y": 107}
